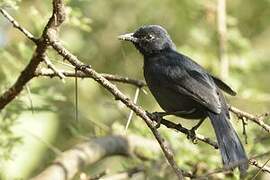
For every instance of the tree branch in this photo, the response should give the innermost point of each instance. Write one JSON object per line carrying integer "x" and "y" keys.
{"x": 71, "y": 161}
{"x": 53, "y": 68}
{"x": 28, "y": 73}
{"x": 186, "y": 131}
{"x": 18, "y": 26}
{"x": 256, "y": 119}
{"x": 252, "y": 161}
{"x": 110, "y": 77}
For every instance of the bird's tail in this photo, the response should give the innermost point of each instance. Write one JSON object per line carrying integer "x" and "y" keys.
{"x": 231, "y": 148}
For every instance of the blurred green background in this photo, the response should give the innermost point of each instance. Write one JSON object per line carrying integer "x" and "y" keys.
{"x": 43, "y": 116}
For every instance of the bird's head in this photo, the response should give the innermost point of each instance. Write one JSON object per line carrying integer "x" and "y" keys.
{"x": 149, "y": 39}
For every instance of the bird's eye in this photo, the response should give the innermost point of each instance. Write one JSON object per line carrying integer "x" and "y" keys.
{"x": 149, "y": 37}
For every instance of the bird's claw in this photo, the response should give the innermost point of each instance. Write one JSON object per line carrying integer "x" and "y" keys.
{"x": 155, "y": 116}
{"x": 192, "y": 135}
{"x": 158, "y": 119}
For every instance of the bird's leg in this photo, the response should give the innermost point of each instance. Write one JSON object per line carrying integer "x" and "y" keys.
{"x": 157, "y": 117}
{"x": 192, "y": 134}
{"x": 197, "y": 125}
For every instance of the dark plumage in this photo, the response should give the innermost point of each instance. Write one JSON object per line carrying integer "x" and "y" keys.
{"x": 181, "y": 85}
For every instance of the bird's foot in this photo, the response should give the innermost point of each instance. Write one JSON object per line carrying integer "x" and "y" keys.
{"x": 192, "y": 135}
{"x": 191, "y": 132}
{"x": 156, "y": 116}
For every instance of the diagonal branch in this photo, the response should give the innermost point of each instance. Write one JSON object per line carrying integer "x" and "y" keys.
{"x": 53, "y": 68}
{"x": 26, "y": 75}
{"x": 119, "y": 96}
{"x": 18, "y": 26}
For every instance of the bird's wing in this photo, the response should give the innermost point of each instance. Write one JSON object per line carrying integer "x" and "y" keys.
{"x": 193, "y": 81}
{"x": 223, "y": 86}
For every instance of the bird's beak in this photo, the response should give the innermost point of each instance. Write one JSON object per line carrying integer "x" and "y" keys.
{"x": 128, "y": 37}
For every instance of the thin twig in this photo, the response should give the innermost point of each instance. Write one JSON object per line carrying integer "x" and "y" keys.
{"x": 255, "y": 163}
{"x": 252, "y": 161}
{"x": 54, "y": 69}
{"x": 260, "y": 170}
{"x": 110, "y": 77}
{"x": 256, "y": 119}
{"x": 18, "y": 26}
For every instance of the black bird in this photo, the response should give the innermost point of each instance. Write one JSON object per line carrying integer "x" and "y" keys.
{"x": 185, "y": 89}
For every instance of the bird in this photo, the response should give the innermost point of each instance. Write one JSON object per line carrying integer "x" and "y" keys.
{"x": 185, "y": 89}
